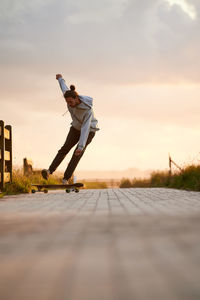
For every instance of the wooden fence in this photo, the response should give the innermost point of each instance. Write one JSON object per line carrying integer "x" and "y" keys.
{"x": 5, "y": 154}
{"x": 27, "y": 167}
{"x": 170, "y": 165}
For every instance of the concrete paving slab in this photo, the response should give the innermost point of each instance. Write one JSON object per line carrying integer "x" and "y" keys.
{"x": 110, "y": 244}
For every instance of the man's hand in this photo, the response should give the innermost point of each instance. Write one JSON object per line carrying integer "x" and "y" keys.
{"x": 78, "y": 152}
{"x": 58, "y": 76}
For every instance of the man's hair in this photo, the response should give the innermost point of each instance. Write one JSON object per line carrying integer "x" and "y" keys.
{"x": 71, "y": 93}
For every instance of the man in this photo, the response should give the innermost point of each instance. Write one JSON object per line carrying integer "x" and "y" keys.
{"x": 82, "y": 130}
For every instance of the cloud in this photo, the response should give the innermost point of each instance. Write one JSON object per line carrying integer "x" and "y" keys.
{"x": 187, "y": 7}
{"x": 130, "y": 55}
{"x": 13, "y": 10}
{"x": 117, "y": 41}
{"x": 96, "y": 11}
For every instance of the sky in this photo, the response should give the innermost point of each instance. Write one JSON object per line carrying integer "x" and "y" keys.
{"x": 138, "y": 60}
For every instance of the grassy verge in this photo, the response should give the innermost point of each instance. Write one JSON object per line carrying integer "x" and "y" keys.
{"x": 22, "y": 184}
{"x": 95, "y": 185}
{"x": 187, "y": 179}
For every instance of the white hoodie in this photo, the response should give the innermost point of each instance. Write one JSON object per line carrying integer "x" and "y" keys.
{"x": 82, "y": 115}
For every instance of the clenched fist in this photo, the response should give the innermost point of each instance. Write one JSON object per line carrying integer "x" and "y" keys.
{"x": 58, "y": 76}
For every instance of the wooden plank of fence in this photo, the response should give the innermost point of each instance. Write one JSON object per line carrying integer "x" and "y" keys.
{"x": 6, "y": 177}
{"x": 2, "y": 148}
{"x": 6, "y": 133}
{"x": 6, "y": 155}
{"x": 8, "y": 148}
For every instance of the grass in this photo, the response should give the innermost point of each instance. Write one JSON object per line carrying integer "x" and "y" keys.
{"x": 95, "y": 185}
{"x": 187, "y": 179}
{"x": 22, "y": 184}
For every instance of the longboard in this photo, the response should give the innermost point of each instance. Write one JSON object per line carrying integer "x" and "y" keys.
{"x": 45, "y": 187}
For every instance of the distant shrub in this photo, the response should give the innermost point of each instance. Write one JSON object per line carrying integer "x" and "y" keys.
{"x": 125, "y": 183}
{"x": 140, "y": 182}
{"x": 136, "y": 182}
{"x": 95, "y": 185}
{"x": 188, "y": 178}
{"x": 159, "y": 179}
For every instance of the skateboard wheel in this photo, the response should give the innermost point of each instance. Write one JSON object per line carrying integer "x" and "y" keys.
{"x": 45, "y": 191}
{"x": 76, "y": 190}
{"x": 33, "y": 191}
{"x": 67, "y": 191}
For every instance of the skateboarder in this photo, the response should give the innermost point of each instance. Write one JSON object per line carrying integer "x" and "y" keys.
{"x": 82, "y": 130}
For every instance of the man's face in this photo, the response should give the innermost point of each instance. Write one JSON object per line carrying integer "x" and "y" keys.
{"x": 71, "y": 101}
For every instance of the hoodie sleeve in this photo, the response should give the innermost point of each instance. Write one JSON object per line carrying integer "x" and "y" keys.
{"x": 85, "y": 128}
{"x": 63, "y": 86}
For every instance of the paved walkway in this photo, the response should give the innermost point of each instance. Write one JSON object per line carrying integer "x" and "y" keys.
{"x": 120, "y": 244}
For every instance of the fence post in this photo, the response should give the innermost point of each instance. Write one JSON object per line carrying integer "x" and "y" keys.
{"x": 27, "y": 167}
{"x": 170, "y": 166}
{"x": 5, "y": 154}
{"x": 8, "y": 147}
{"x": 2, "y": 152}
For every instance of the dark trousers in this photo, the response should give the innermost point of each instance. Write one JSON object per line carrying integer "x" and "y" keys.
{"x": 71, "y": 141}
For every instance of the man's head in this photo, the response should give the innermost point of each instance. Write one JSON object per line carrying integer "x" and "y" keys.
{"x": 71, "y": 97}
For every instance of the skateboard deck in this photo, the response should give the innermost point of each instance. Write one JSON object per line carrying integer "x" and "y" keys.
{"x": 45, "y": 187}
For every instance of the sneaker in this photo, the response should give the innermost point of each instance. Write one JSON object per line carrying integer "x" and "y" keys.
{"x": 45, "y": 173}
{"x": 65, "y": 181}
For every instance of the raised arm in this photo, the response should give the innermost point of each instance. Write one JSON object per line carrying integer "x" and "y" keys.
{"x": 62, "y": 83}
